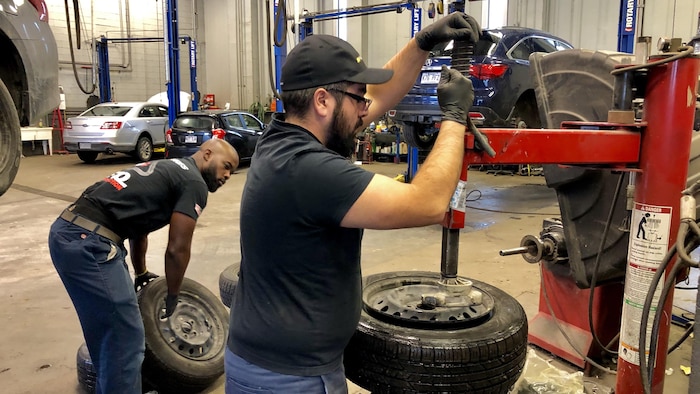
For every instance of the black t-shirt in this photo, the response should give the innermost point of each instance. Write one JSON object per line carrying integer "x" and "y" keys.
{"x": 298, "y": 299}
{"x": 142, "y": 199}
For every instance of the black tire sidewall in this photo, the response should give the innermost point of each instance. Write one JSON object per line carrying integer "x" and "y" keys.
{"x": 228, "y": 280}
{"x": 165, "y": 368}
{"x": 87, "y": 377}
{"x": 88, "y": 156}
{"x": 376, "y": 344}
{"x": 10, "y": 139}
{"x": 411, "y": 133}
{"x": 508, "y": 315}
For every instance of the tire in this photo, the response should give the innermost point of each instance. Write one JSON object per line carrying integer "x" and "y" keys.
{"x": 87, "y": 378}
{"x": 487, "y": 357}
{"x": 185, "y": 352}
{"x": 415, "y": 135}
{"x": 526, "y": 114}
{"x": 87, "y": 156}
{"x": 228, "y": 279}
{"x": 144, "y": 149}
{"x": 10, "y": 140}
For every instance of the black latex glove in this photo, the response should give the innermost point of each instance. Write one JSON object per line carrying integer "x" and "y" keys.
{"x": 455, "y": 26}
{"x": 170, "y": 304}
{"x": 142, "y": 280}
{"x": 455, "y": 95}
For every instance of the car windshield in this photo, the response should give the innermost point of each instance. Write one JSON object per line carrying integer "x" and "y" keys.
{"x": 107, "y": 110}
{"x": 484, "y": 47}
{"x": 194, "y": 122}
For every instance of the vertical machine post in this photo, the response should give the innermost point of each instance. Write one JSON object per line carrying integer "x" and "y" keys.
{"x": 669, "y": 111}
{"x": 280, "y": 51}
{"x": 193, "y": 74}
{"x": 103, "y": 70}
{"x": 627, "y": 26}
{"x": 173, "y": 57}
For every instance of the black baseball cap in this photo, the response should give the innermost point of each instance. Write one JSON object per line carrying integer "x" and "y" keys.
{"x": 322, "y": 59}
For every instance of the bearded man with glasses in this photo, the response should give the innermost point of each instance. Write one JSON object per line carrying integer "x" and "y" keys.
{"x": 305, "y": 205}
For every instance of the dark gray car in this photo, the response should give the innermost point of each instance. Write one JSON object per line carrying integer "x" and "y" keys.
{"x": 28, "y": 77}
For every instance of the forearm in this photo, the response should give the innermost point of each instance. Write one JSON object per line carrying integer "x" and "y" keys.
{"x": 437, "y": 177}
{"x": 406, "y": 65}
{"x": 137, "y": 249}
{"x": 176, "y": 262}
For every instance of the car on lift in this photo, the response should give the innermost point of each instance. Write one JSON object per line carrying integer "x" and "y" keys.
{"x": 499, "y": 69}
{"x": 28, "y": 77}
{"x": 190, "y": 129}
{"x": 129, "y": 127}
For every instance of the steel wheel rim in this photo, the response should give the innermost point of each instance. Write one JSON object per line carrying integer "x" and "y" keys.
{"x": 145, "y": 149}
{"x": 193, "y": 331}
{"x": 397, "y": 301}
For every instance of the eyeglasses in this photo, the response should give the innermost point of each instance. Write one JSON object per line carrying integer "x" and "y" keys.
{"x": 358, "y": 98}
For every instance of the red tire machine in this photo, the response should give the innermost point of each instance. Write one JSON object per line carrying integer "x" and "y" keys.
{"x": 654, "y": 153}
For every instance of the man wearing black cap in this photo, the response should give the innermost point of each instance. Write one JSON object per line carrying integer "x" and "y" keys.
{"x": 304, "y": 205}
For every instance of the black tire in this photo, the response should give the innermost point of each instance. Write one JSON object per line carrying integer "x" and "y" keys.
{"x": 10, "y": 140}
{"x": 526, "y": 114}
{"x": 87, "y": 156}
{"x": 87, "y": 378}
{"x": 228, "y": 279}
{"x": 185, "y": 352}
{"x": 416, "y": 136}
{"x": 485, "y": 358}
{"x": 144, "y": 149}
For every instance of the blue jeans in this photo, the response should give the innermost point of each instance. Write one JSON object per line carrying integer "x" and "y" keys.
{"x": 243, "y": 377}
{"x": 95, "y": 274}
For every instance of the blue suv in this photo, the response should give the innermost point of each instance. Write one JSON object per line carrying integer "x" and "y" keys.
{"x": 504, "y": 93}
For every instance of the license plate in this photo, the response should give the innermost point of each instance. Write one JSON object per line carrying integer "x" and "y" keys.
{"x": 190, "y": 139}
{"x": 430, "y": 78}
{"x": 84, "y": 145}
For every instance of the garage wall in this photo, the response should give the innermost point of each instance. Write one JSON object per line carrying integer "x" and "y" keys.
{"x": 233, "y": 48}
{"x": 670, "y": 18}
{"x": 137, "y": 70}
{"x": 237, "y": 69}
{"x": 594, "y": 24}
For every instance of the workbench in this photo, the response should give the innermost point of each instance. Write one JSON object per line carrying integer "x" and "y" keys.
{"x": 43, "y": 134}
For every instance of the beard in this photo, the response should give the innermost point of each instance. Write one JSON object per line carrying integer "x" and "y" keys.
{"x": 341, "y": 139}
{"x": 210, "y": 179}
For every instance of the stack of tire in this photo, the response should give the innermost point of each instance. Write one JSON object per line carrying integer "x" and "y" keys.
{"x": 387, "y": 355}
{"x": 184, "y": 353}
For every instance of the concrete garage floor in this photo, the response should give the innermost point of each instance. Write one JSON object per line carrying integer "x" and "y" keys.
{"x": 42, "y": 333}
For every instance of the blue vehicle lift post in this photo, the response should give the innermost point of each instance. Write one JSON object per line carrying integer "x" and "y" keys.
{"x": 412, "y": 157}
{"x": 103, "y": 65}
{"x": 415, "y": 27}
{"x": 280, "y": 52}
{"x": 627, "y": 26}
{"x": 172, "y": 63}
{"x": 306, "y": 29}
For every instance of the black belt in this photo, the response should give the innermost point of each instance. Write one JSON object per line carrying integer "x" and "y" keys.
{"x": 89, "y": 225}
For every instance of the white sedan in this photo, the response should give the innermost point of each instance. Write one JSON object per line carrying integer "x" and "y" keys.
{"x": 129, "y": 127}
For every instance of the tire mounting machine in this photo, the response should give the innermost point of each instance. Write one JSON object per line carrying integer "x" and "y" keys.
{"x": 655, "y": 152}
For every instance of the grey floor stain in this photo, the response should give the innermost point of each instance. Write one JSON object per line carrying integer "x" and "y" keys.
{"x": 43, "y": 193}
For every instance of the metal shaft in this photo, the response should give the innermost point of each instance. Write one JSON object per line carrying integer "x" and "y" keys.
{"x": 450, "y": 252}
{"x": 518, "y": 250}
